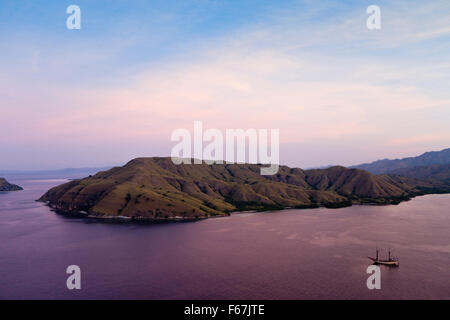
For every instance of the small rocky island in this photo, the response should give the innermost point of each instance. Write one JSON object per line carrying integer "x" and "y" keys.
{"x": 6, "y": 186}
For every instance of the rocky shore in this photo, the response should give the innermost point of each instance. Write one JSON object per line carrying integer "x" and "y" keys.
{"x": 6, "y": 186}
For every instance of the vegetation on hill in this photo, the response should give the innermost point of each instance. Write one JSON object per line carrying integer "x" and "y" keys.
{"x": 436, "y": 173}
{"x": 157, "y": 189}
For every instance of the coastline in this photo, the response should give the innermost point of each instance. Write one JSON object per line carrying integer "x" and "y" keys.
{"x": 175, "y": 219}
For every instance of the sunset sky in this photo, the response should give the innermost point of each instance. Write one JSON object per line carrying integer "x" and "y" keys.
{"x": 138, "y": 70}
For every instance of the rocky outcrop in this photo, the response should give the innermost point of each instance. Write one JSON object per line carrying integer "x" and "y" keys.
{"x": 6, "y": 186}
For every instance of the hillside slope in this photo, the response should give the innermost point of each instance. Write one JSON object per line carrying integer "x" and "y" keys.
{"x": 155, "y": 188}
{"x": 437, "y": 172}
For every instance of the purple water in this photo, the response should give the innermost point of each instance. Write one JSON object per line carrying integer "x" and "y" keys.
{"x": 291, "y": 254}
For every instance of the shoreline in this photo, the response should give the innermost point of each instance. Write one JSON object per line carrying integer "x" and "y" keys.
{"x": 178, "y": 219}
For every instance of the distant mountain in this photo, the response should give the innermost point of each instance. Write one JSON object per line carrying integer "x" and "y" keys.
{"x": 426, "y": 159}
{"x": 437, "y": 172}
{"x": 67, "y": 173}
{"x": 157, "y": 189}
{"x": 6, "y": 186}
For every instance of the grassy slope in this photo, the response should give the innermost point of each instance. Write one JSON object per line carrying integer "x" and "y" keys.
{"x": 156, "y": 188}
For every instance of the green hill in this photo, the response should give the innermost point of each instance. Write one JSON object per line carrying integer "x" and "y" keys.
{"x": 157, "y": 189}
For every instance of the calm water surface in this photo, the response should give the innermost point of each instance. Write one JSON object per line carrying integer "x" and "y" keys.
{"x": 291, "y": 254}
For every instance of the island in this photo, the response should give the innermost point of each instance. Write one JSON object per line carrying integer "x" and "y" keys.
{"x": 6, "y": 186}
{"x": 155, "y": 189}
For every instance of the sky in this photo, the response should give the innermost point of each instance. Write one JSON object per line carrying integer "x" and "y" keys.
{"x": 137, "y": 70}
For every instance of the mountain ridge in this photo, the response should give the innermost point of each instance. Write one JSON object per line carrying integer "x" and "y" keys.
{"x": 435, "y": 172}
{"x": 157, "y": 189}
{"x": 425, "y": 159}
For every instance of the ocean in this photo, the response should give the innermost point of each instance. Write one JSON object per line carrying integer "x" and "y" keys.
{"x": 290, "y": 254}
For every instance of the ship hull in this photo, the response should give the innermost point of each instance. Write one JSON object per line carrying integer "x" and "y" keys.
{"x": 384, "y": 262}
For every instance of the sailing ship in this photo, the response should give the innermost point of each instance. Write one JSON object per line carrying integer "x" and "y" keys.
{"x": 391, "y": 261}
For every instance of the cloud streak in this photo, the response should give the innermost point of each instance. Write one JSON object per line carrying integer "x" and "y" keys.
{"x": 304, "y": 78}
